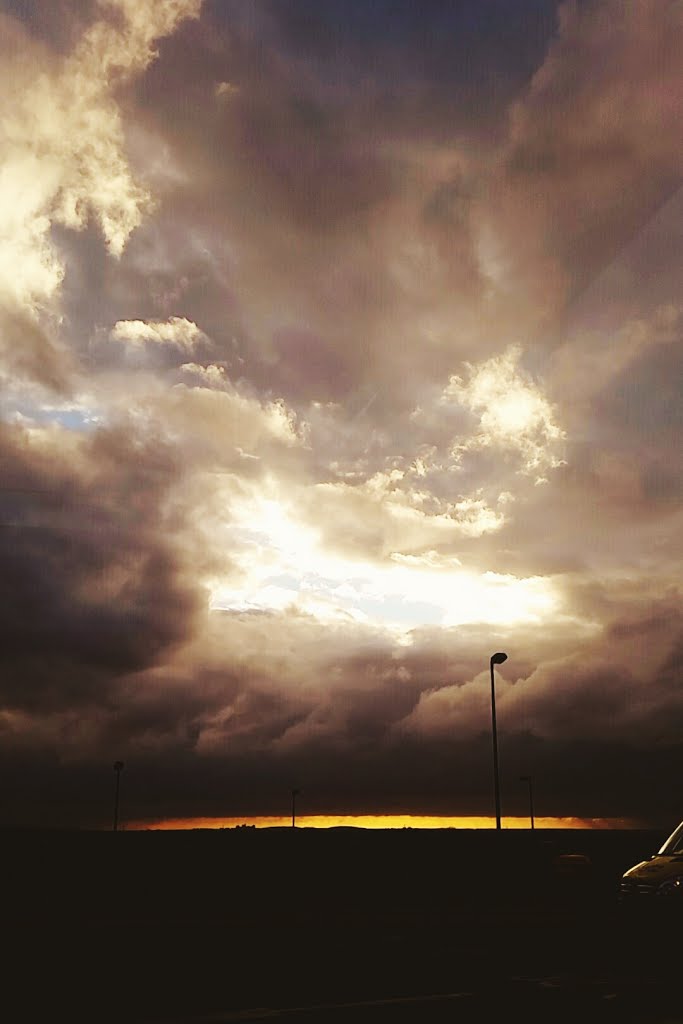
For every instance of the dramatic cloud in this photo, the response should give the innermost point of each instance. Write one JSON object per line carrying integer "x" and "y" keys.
{"x": 63, "y": 144}
{"x": 340, "y": 346}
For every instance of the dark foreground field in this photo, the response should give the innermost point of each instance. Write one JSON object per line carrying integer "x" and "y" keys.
{"x": 330, "y": 925}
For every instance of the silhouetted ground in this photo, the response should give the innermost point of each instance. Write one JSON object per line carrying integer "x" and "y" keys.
{"x": 338, "y": 925}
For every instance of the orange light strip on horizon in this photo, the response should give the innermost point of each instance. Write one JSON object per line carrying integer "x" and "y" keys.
{"x": 381, "y": 821}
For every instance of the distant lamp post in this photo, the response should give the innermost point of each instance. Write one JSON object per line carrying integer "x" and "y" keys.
{"x": 529, "y": 782}
{"x": 496, "y": 659}
{"x": 118, "y": 768}
{"x": 295, "y": 793}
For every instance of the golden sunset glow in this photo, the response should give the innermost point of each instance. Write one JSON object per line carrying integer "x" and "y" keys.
{"x": 382, "y": 821}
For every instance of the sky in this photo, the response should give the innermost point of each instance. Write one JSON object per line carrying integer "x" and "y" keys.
{"x": 340, "y": 348}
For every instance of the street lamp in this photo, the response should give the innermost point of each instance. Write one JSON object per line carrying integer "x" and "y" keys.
{"x": 528, "y": 780}
{"x": 118, "y": 768}
{"x": 295, "y": 793}
{"x": 496, "y": 659}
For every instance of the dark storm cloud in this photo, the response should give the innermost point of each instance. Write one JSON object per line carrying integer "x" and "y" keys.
{"x": 392, "y": 728}
{"x": 364, "y": 733}
{"x": 434, "y": 64}
{"x": 594, "y": 144}
{"x": 92, "y": 588}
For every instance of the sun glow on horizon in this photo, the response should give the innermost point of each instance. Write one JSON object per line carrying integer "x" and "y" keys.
{"x": 381, "y": 821}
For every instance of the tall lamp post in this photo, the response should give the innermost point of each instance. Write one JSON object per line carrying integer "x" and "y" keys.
{"x": 118, "y": 768}
{"x": 496, "y": 659}
{"x": 295, "y": 793}
{"x": 529, "y": 782}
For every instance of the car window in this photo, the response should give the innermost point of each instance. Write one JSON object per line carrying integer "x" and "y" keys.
{"x": 674, "y": 843}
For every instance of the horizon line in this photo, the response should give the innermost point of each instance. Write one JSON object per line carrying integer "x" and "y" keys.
{"x": 382, "y": 821}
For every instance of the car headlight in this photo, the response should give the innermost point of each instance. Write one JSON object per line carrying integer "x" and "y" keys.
{"x": 672, "y": 887}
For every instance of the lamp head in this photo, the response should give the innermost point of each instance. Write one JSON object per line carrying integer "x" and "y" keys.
{"x": 499, "y": 658}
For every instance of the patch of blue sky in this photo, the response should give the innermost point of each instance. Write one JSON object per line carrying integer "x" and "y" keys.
{"x": 69, "y": 416}
{"x": 74, "y": 419}
{"x": 352, "y": 595}
{"x": 396, "y": 610}
{"x": 284, "y": 580}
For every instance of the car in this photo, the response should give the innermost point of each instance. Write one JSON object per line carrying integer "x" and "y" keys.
{"x": 657, "y": 882}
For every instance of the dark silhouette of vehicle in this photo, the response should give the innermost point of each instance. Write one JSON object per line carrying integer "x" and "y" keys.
{"x": 659, "y": 880}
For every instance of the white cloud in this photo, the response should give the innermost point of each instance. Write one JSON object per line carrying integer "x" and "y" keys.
{"x": 513, "y": 413}
{"x": 210, "y": 376}
{"x": 476, "y": 518}
{"x": 175, "y": 331}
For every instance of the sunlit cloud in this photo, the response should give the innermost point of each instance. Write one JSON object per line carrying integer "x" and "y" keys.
{"x": 64, "y": 159}
{"x": 285, "y": 564}
{"x": 177, "y": 331}
{"x": 65, "y": 141}
{"x": 513, "y": 414}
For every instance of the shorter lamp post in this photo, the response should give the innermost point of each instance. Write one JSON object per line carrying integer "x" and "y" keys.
{"x": 295, "y": 793}
{"x": 118, "y": 768}
{"x": 529, "y": 782}
{"x": 496, "y": 659}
